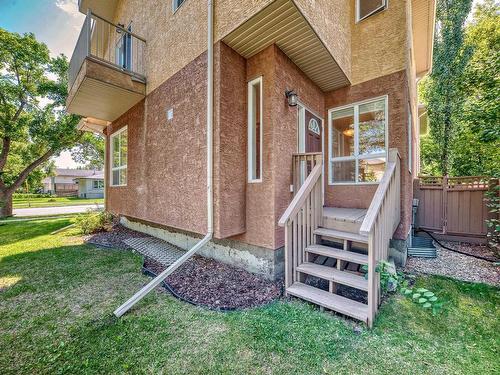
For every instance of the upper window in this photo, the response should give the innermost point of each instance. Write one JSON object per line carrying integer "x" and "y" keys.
{"x": 176, "y": 4}
{"x": 119, "y": 157}
{"x": 358, "y": 142}
{"x": 255, "y": 130}
{"x": 365, "y": 8}
{"x": 410, "y": 140}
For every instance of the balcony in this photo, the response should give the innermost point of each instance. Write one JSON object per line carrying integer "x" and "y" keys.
{"x": 106, "y": 71}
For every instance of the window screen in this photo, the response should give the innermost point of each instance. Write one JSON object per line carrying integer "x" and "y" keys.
{"x": 366, "y": 8}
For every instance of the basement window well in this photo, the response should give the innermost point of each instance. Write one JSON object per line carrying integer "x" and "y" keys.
{"x": 366, "y": 8}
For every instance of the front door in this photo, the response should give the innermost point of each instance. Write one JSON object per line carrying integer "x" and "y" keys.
{"x": 309, "y": 137}
{"x": 312, "y": 132}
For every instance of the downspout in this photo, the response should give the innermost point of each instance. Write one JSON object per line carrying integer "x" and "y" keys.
{"x": 210, "y": 110}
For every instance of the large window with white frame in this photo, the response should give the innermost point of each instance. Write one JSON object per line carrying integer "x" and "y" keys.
{"x": 119, "y": 153}
{"x": 366, "y": 8}
{"x": 358, "y": 142}
{"x": 255, "y": 130}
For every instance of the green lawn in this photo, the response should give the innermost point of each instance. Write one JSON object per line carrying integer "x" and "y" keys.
{"x": 54, "y": 202}
{"x": 56, "y": 317}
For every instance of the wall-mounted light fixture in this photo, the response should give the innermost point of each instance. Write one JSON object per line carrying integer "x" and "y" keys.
{"x": 119, "y": 29}
{"x": 292, "y": 98}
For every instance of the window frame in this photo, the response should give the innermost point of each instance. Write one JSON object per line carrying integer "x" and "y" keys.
{"x": 410, "y": 139}
{"x": 175, "y": 7}
{"x": 111, "y": 168}
{"x": 99, "y": 183}
{"x": 356, "y": 157}
{"x": 250, "y": 122}
{"x": 380, "y": 9}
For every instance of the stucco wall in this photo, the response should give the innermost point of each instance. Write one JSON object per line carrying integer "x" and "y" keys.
{"x": 166, "y": 158}
{"x": 359, "y": 196}
{"x": 230, "y": 146}
{"x": 379, "y": 42}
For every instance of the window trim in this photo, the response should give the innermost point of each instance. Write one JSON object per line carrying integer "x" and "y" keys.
{"x": 174, "y": 8}
{"x": 380, "y": 9}
{"x": 250, "y": 155}
{"x": 356, "y": 155}
{"x": 99, "y": 182}
{"x": 111, "y": 168}
{"x": 410, "y": 139}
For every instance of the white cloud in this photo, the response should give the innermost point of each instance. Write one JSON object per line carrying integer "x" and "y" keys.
{"x": 68, "y": 6}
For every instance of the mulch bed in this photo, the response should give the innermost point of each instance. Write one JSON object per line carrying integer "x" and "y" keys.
{"x": 217, "y": 285}
{"x": 459, "y": 266}
{"x": 200, "y": 280}
{"x": 114, "y": 238}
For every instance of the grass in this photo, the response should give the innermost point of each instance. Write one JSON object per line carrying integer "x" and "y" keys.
{"x": 56, "y": 317}
{"x": 54, "y": 202}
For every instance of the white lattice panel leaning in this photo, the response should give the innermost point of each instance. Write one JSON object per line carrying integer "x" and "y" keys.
{"x": 161, "y": 251}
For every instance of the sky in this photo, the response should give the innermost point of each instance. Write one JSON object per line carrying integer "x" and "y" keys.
{"x": 57, "y": 23}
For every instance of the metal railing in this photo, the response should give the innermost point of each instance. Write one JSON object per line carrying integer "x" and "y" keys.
{"x": 107, "y": 43}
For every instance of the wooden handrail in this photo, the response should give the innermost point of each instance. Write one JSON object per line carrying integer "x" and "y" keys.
{"x": 301, "y": 195}
{"x": 380, "y": 193}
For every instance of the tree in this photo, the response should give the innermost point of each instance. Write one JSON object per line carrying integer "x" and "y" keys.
{"x": 475, "y": 138}
{"x": 90, "y": 151}
{"x": 442, "y": 91}
{"x": 30, "y": 77}
{"x": 481, "y": 78}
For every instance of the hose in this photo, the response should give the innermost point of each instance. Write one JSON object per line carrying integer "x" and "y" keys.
{"x": 455, "y": 250}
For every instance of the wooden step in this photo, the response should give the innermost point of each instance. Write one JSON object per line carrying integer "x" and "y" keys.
{"x": 332, "y": 252}
{"x": 343, "y": 219}
{"x": 331, "y": 301}
{"x": 335, "y": 275}
{"x": 338, "y": 234}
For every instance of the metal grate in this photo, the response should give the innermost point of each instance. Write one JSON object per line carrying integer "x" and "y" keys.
{"x": 161, "y": 251}
{"x": 422, "y": 247}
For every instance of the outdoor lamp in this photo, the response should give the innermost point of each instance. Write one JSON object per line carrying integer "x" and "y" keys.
{"x": 292, "y": 98}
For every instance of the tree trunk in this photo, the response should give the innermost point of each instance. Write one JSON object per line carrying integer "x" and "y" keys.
{"x": 5, "y": 204}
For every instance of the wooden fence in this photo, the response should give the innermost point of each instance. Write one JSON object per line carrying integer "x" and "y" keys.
{"x": 452, "y": 205}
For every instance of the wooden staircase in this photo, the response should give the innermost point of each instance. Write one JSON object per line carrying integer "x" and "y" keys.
{"x": 336, "y": 256}
{"x": 326, "y": 248}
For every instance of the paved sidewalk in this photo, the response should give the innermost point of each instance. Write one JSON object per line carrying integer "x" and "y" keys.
{"x": 50, "y": 211}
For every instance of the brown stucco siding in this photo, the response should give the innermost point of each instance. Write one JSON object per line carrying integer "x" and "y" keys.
{"x": 359, "y": 196}
{"x": 230, "y": 127}
{"x": 259, "y": 195}
{"x": 167, "y": 158}
{"x": 379, "y": 42}
{"x": 285, "y": 122}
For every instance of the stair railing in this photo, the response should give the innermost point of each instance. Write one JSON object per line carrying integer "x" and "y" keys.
{"x": 302, "y": 164}
{"x": 302, "y": 217}
{"x": 379, "y": 224}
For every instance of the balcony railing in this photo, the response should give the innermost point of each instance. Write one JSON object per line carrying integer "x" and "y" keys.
{"x": 110, "y": 44}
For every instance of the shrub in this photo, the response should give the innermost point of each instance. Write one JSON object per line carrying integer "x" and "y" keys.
{"x": 493, "y": 223}
{"x": 93, "y": 222}
{"x": 31, "y": 196}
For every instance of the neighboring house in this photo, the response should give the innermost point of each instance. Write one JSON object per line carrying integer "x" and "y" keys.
{"x": 91, "y": 186}
{"x": 64, "y": 183}
{"x": 282, "y": 87}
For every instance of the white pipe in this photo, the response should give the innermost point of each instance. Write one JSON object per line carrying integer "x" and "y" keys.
{"x": 210, "y": 111}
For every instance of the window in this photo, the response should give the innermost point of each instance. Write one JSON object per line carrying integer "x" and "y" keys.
{"x": 119, "y": 158}
{"x": 410, "y": 143}
{"x": 123, "y": 50}
{"x": 358, "y": 142}
{"x": 176, "y": 4}
{"x": 365, "y": 8}
{"x": 255, "y": 130}
{"x": 98, "y": 184}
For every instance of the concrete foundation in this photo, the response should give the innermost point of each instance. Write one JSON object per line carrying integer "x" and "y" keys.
{"x": 258, "y": 260}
